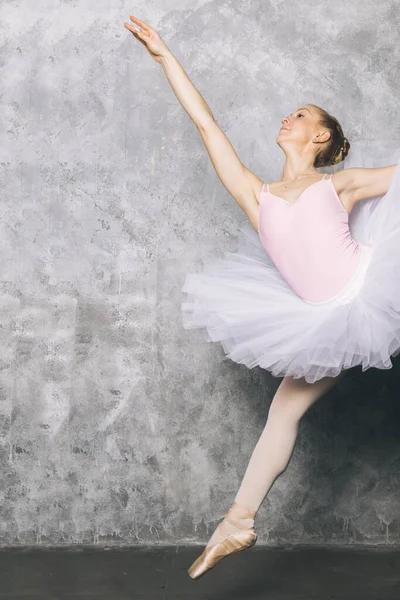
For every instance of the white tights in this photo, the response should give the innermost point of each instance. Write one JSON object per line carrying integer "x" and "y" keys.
{"x": 275, "y": 446}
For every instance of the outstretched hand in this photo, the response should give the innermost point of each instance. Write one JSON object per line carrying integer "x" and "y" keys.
{"x": 148, "y": 37}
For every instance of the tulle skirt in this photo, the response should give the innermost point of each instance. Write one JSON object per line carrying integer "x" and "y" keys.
{"x": 243, "y": 302}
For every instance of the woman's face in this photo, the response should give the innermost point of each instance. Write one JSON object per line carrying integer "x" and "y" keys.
{"x": 300, "y": 126}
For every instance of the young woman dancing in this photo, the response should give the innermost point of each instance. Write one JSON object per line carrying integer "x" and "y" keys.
{"x": 311, "y": 292}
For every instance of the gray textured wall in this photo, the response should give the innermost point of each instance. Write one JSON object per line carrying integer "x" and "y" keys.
{"x": 115, "y": 423}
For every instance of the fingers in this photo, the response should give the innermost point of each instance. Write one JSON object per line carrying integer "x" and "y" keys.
{"x": 135, "y": 30}
{"x": 142, "y": 24}
{"x": 131, "y": 28}
{"x": 138, "y": 34}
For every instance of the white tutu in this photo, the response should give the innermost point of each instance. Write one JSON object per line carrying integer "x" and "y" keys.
{"x": 243, "y": 301}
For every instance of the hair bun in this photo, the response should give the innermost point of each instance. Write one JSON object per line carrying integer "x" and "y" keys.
{"x": 337, "y": 147}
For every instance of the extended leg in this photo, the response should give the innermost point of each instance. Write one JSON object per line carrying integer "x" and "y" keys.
{"x": 275, "y": 446}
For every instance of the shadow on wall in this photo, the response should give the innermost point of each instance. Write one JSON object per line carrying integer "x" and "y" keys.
{"x": 351, "y": 439}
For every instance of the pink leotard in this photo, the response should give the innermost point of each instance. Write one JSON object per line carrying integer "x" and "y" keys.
{"x": 310, "y": 241}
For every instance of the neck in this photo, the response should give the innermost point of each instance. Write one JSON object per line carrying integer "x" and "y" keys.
{"x": 297, "y": 165}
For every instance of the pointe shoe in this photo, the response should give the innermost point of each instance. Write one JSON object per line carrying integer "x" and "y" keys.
{"x": 230, "y": 543}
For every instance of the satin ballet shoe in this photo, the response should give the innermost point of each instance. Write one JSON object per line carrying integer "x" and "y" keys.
{"x": 230, "y": 543}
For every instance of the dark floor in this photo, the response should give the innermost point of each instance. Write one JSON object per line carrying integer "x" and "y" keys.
{"x": 287, "y": 573}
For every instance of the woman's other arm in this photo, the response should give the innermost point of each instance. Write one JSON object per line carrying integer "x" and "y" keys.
{"x": 367, "y": 182}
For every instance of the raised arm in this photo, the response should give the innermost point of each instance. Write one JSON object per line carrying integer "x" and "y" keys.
{"x": 243, "y": 185}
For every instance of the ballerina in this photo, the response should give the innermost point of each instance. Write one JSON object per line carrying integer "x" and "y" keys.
{"x": 311, "y": 292}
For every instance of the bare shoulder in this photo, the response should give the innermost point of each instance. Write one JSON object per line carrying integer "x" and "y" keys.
{"x": 252, "y": 205}
{"x": 256, "y": 184}
{"x": 361, "y": 183}
{"x": 343, "y": 182}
